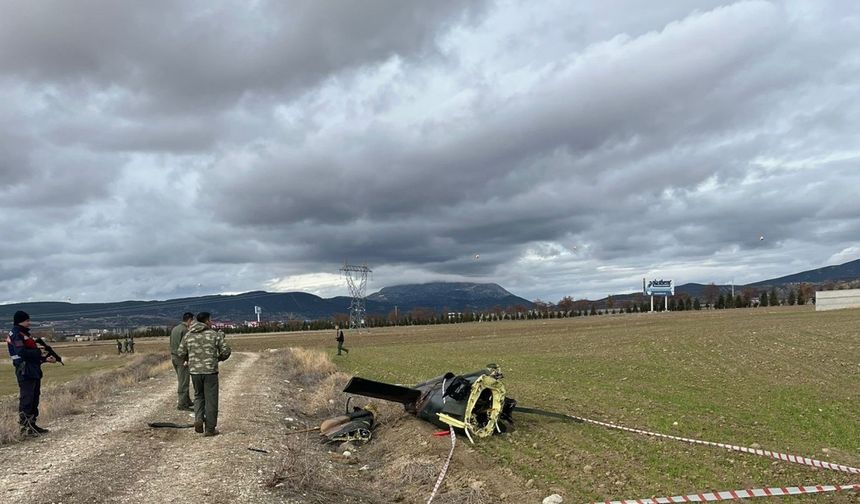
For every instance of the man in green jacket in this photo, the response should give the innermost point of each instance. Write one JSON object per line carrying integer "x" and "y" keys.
{"x": 183, "y": 378}
{"x": 202, "y": 349}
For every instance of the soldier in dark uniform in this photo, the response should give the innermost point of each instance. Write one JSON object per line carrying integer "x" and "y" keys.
{"x": 202, "y": 349}
{"x": 131, "y": 345}
{"x": 27, "y": 360}
{"x": 339, "y": 339}
{"x": 119, "y": 347}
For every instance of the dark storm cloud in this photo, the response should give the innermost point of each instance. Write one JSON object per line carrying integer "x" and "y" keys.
{"x": 172, "y": 56}
{"x": 523, "y": 161}
{"x": 158, "y": 149}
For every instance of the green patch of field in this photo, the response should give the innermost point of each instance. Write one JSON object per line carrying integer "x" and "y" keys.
{"x": 787, "y": 379}
{"x": 55, "y": 373}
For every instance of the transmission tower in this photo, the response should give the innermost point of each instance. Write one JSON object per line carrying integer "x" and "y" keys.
{"x": 356, "y": 282}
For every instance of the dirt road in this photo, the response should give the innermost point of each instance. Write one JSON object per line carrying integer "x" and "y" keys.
{"x": 109, "y": 454}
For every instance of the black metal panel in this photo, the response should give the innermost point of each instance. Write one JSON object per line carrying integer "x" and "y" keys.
{"x": 384, "y": 391}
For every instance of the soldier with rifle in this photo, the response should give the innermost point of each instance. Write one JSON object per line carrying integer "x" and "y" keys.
{"x": 27, "y": 361}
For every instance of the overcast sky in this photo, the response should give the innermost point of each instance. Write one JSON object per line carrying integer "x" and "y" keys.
{"x": 158, "y": 149}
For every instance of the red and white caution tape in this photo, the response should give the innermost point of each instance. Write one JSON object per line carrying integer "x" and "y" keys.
{"x": 444, "y": 467}
{"x": 738, "y": 494}
{"x": 734, "y": 494}
{"x": 819, "y": 464}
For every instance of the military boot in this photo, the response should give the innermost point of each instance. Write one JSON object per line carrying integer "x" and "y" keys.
{"x": 27, "y": 429}
{"x": 38, "y": 429}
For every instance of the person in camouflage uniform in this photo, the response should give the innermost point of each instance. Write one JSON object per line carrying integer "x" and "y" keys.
{"x": 202, "y": 349}
{"x": 183, "y": 378}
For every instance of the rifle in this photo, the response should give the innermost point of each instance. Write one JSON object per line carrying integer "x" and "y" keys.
{"x": 51, "y": 353}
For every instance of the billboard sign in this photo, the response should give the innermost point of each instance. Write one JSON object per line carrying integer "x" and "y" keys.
{"x": 659, "y": 288}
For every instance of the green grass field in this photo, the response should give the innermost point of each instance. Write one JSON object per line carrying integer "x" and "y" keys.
{"x": 55, "y": 373}
{"x": 786, "y": 379}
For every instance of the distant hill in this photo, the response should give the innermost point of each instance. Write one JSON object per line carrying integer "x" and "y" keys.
{"x": 454, "y": 296}
{"x": 838, "y": 273}
{"x": 275, "y": 305}
{"x": 697, "y": 290}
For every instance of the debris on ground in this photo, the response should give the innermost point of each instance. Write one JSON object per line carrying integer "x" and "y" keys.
{"x": 475, "y": 402}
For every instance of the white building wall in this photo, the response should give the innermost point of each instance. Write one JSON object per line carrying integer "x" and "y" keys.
{"x": 837, "y": 299}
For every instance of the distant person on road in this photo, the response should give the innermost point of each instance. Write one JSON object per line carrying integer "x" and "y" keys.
{"x": 119, "y": 347}
{"x": 183, "y": 377}
{"x": 202, "y": 349}
{"x": 27, "y": 360}
{"x": 339, "y": 339}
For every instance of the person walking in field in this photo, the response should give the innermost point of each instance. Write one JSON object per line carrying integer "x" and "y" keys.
{"x": 183, "y": 377}
{"x": 339, "y": 339}
{"x": 27, "y": 361}
{"x": 119, "y": 347}
{"x": 202, "y": 349}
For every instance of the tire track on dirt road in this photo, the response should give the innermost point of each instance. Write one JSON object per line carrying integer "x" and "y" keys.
{"x": 115, "y": 457}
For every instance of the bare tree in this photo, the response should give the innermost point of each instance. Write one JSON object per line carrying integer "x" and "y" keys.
{"x": 711, "y": 293}
{"x": 748, "y": 294}
{"x": 566, "y": 303}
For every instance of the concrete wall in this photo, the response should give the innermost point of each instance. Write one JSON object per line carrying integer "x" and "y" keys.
{"x": 837, "y": 299}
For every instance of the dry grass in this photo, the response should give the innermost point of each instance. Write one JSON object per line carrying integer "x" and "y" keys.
{"x": 403, "y": 459}
{"x": 410, "y": 470}
{"x": 74, "y": 396}
{"x": 468, "y": 495}
{"x": 326, "y": 397}
{"x": 309, "y": 472}
{"x": 297, "y": 472}
{"x": 311, "y": 363}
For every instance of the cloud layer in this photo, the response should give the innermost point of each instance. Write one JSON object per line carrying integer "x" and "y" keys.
{"x": 150, "y": 150}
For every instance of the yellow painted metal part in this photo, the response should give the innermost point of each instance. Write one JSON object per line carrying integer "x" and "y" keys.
{"x": 470, "y": 421}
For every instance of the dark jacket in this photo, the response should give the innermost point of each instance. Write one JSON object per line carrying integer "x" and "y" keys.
{"x": 339, "y": 335}
{"x": 26, "y": 356}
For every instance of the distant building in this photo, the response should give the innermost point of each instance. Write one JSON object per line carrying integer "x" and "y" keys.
{"x": 837, "y": 299}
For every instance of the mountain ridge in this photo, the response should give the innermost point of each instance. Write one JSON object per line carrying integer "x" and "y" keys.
{"x": 437, "y": 296}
